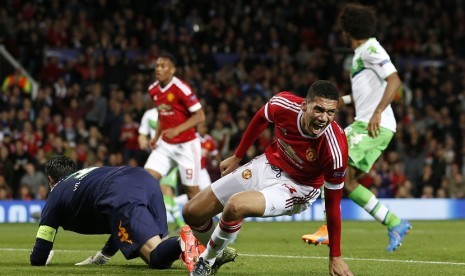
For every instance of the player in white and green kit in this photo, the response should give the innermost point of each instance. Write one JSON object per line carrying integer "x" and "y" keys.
{"x": 168, "y": 184}
{"x": 374, "y": 82}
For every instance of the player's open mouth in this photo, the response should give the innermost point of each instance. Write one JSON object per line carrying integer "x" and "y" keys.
{"x": 317, "y": 128}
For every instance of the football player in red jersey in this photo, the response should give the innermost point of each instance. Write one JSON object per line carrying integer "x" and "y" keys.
{"x": 179, "y": 113}
{"x": 209, "y": 151}
{"x": 310, "y": 151}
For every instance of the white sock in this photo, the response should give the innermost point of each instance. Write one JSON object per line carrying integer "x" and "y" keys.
{"x": 224, "y": 233}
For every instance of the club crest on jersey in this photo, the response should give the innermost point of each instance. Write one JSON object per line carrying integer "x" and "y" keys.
{"x": 246, "y": 174}
{"x": 170, "y": 97}
{"x": 310, "y": 154}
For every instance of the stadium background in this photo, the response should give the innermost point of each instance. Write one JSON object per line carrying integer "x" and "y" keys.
{"x": 93, "y": 61}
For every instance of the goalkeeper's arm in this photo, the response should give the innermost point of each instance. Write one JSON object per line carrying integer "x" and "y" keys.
{"x": 44, "y": 244}
{"x": 40, "y": 252}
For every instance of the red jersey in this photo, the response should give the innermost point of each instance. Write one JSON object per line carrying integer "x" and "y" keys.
{"x": 175, "y": 103}
{"x": 308, "y": 160}
{"x": 311, "y": 161}
{"x": 130, "y": 134}
{"x": 208, "y": 148}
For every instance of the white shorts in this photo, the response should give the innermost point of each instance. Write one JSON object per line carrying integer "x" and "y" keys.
{"x": 184, "y": 155}
{"x": 283, "y": 196}
{"x": 204, "y": 179}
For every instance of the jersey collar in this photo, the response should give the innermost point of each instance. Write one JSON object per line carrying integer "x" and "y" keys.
{"x": 164, "y": 89}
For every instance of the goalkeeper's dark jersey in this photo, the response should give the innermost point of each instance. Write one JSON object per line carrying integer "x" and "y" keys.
{"x": 75, "y": 203}
{"x": 125, "y": 202}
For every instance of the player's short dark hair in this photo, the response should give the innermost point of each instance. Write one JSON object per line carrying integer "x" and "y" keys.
{"x": 324, "y": 89}
{"x": 358, "y": 21}
{"x": 59, "y": 166}
{"x": 168, "y": 56}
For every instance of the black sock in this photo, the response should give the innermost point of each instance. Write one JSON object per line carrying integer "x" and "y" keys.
{"x": 168, "y": 251}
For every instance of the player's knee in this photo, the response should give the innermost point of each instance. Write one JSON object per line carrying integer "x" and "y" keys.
{"x": 188, "y": 212}
{"x": 157, "y": 261}
{"x": 234, "y": 209}
{"x": 163, "y": 256}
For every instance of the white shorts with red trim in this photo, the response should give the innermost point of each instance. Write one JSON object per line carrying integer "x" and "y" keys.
{"x": 283, "y": 196}
{"x": 184, "y": 155}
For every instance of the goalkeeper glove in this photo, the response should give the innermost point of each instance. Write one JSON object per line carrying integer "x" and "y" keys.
{"x": 98, "y": 259}
{"x": 49, "y": 258}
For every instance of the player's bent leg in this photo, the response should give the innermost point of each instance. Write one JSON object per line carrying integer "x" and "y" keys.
{"x": 397, "y": 228}
{"x": 191, "y": 191}
{"x": 201, "y": 208}
{"x": 148, "y": 247}
{"x": 244, "y": 204}
{"x": 154, "y": 173}
{"x": 163, "y": 256}
{"x": 160, "y": 254}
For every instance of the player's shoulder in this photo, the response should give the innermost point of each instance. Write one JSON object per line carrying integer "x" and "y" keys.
{"x": 372, "y": 48}
{"x": 335, "y": 133}
{"x": 287, "y": 100}
{"x": 286, "y": 95}
{"x": 153, "y": 85}
{"x": 182, "y": 86}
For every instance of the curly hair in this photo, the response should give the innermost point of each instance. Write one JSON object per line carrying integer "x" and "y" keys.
{"x": 324, "y": 89}
{"x": 358, "y": 21}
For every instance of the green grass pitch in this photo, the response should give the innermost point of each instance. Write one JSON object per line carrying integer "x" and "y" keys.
{"x": 266, "y": 248}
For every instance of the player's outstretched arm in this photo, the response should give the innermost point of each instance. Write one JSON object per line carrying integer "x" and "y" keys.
{"x": 338, "y": 267}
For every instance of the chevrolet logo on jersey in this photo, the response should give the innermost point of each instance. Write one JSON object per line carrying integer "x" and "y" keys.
{"x": 289, "y": 151}
{"x": 164, "y": 107}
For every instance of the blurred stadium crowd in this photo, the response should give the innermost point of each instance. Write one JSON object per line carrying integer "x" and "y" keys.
{"x": 94, "y": 61}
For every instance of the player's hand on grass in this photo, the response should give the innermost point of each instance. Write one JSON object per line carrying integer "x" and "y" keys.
{"x": 337, "y": 267}
{"x": 98, "y": 259}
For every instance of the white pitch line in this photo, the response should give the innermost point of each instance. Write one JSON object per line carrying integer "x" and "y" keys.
{"x": 354, "y": 259}
{"x": 280, "y": 256}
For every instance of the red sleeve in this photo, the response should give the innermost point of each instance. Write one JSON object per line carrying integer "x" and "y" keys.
{"x": 333, "y": 220}
{"x": 254, "y": 129}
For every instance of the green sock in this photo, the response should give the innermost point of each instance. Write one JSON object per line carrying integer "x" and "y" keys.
{"x": 366, "y": 199}
{"x": 173, "y": 209}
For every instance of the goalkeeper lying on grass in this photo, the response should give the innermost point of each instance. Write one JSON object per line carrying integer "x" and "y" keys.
{"x": 125, "y": 202}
